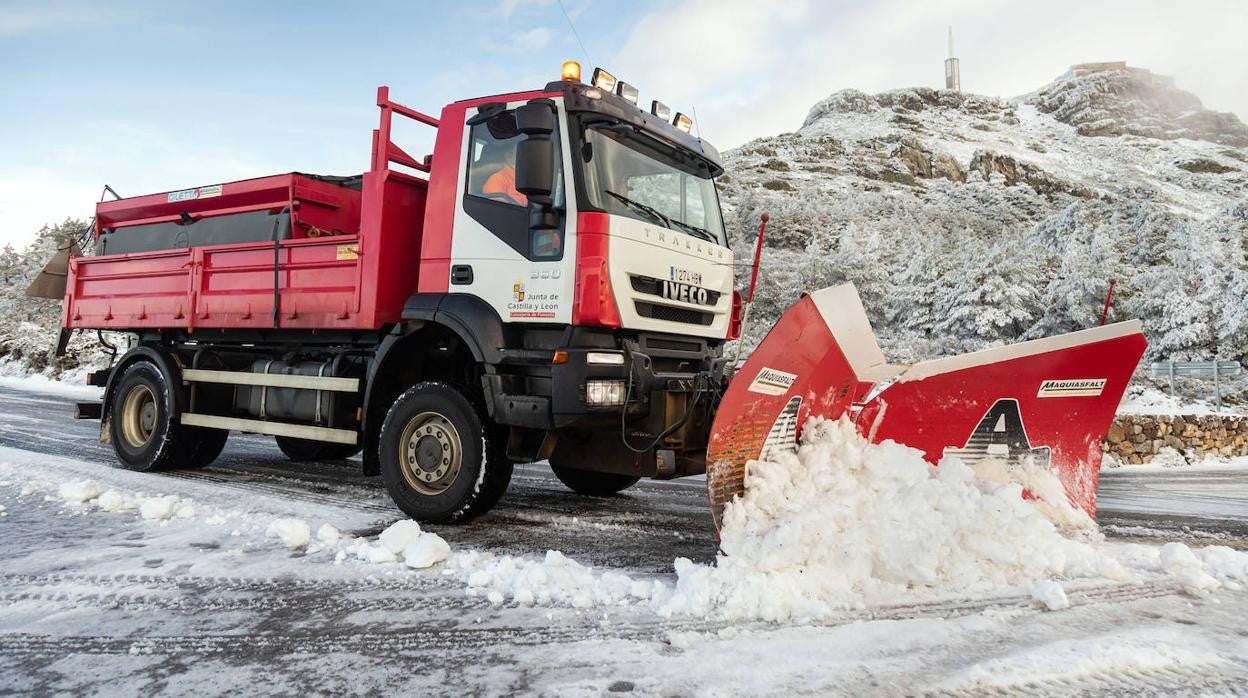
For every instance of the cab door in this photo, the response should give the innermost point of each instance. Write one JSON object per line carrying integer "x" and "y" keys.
{"x": 499, "y": 251}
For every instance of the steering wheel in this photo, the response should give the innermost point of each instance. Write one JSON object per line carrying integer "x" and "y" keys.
{"x": 500, "y": 196}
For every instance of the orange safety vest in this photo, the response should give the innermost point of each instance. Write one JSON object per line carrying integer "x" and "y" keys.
{"x": 504, "y": 182}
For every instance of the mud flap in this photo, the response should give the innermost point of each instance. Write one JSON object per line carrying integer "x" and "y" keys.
{"x": 1047, "y": 402}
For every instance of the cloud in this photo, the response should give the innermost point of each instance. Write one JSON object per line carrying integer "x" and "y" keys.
{"x": 754, "y": 69}
{"x": 531, "y": 40}
{"x": 15, "y": 21}
{"x": 507, "y": 8}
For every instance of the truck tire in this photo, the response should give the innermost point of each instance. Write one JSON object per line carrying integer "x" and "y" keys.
{"x": 305, "y": 449}
{"x": 593, "y": 484}
{"x": 144, "y": 434}
{"x": 201, "y": 447}
{"x": 438, "y": 461}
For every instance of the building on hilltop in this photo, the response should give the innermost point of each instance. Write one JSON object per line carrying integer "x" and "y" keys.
{"x": 953, "y": 73}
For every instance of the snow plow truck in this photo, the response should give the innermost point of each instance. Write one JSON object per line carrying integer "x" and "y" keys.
{"x": 553, "y": 283}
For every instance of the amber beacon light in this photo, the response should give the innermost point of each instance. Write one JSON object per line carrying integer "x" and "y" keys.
{"x": 571, "y": 71}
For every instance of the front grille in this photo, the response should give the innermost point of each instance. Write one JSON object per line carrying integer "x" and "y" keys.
{"x": 655, "y": 311}
{"x": 654, "y": 287}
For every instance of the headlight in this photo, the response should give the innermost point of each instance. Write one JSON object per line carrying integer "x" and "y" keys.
{"x": 605, "y": 358}
{"x": 604, "y": 393}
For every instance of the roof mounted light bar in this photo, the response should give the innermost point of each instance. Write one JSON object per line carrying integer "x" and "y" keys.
{"x": 602, "y": 80}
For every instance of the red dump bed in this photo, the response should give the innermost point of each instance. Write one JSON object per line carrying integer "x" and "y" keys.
{"x": 324, "y": 253}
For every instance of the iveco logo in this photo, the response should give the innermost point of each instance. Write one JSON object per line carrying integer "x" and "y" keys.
{"x": 674, "y": 290}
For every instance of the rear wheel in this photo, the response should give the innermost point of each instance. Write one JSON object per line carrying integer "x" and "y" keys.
{"x": 593, "y": 484}
{"x": 306, "y": 449}
{"x": 438, "y": 461}
{"x": 202, "y": 447}
{"x": 141, "y": 427}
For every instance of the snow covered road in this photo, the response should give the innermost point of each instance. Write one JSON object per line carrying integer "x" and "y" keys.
{"x": 109, "y": 601}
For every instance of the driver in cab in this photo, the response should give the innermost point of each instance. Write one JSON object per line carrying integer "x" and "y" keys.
{"x": 502, "y": 184}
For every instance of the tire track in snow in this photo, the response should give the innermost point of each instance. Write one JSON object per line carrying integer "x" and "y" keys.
{"x": 1197, "y": 678}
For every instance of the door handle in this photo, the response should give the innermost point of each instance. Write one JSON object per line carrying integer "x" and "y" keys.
{"x": 461, "y": 274}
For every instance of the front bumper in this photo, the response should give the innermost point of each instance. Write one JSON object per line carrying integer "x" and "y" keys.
{"x": 671, "y": 385}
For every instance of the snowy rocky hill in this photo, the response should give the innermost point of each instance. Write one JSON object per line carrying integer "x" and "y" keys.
{"x": 968, "y": 220}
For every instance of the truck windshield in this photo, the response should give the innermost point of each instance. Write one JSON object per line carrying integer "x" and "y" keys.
{"x": 625, "y": 176}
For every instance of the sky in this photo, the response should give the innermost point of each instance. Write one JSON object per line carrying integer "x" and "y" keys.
{"x": 151, "y": 96}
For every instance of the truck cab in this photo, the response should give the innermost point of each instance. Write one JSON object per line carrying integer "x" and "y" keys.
{"x": 606, "y": 246}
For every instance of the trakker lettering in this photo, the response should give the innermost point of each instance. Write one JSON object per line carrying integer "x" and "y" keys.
{"x": 1084, "y": 387}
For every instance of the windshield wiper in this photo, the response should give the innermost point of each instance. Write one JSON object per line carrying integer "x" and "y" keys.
{"x": 648, "y": 210}
{"x": 699, "y": 232}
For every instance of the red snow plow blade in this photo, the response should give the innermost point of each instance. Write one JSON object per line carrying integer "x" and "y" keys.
{"x": 1046, "y": 402}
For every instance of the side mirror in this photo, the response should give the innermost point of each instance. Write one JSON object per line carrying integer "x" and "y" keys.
{"x": 535, "y": 154}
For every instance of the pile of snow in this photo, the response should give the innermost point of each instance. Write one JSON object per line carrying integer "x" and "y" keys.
{"x": 401, "y": 541}
{"x": 844, "y": 524}
{"x": 79, "y": 492}
{"x": 153, "y": 508}
{"x": 554, "y": 580}
{"x": 166, "y": 507}
{"x": 294, "y": 533}
{"x": 1151, "y": 401}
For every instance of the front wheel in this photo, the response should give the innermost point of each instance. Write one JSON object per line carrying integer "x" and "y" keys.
{"x": 591, "y": 483}
{"x": 437, "y": 459}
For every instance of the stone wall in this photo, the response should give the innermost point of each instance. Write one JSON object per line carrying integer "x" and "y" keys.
{"x": 1137, "y": 438}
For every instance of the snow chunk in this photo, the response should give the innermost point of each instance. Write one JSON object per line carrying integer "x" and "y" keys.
{"x": 112, "y": 500}
{"x": 294, "y": 533}
{"x": 80, "y": 491}
{"x": 554, "y": 580}
{"x": 1180, "y": 562}
{"x": 399, "y": 535}
{"x": 164, "y": 508}
{"x": 427, "y": 550}
{"x": 1051, "y": 594}
{"x": 377, "y": 554}
{"x": 328, "y": 535}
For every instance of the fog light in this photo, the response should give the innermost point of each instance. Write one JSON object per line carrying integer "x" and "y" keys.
{"x": 605, "y": 358}
{"x": 604, "y": 393}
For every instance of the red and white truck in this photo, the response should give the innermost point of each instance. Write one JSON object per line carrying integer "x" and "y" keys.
{"x": 553, "y": 282}
{"x": 444, "y": 326}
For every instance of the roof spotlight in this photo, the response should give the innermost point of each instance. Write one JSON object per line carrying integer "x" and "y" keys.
{"x": 627, "y": 91}
{"x": 683, "y": 122}
{"x": 661, "y": 110}
{"x": 603, "y": 80}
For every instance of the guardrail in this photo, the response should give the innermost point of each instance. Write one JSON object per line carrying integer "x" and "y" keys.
{"x": 1208, "y": 370}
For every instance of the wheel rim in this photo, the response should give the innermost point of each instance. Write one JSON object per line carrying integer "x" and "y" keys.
{"x": 430, "y": 453}
{"x": 138, "y": 416}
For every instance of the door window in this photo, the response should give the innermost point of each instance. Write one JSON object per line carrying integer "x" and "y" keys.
{"x": 491, "y": 197}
